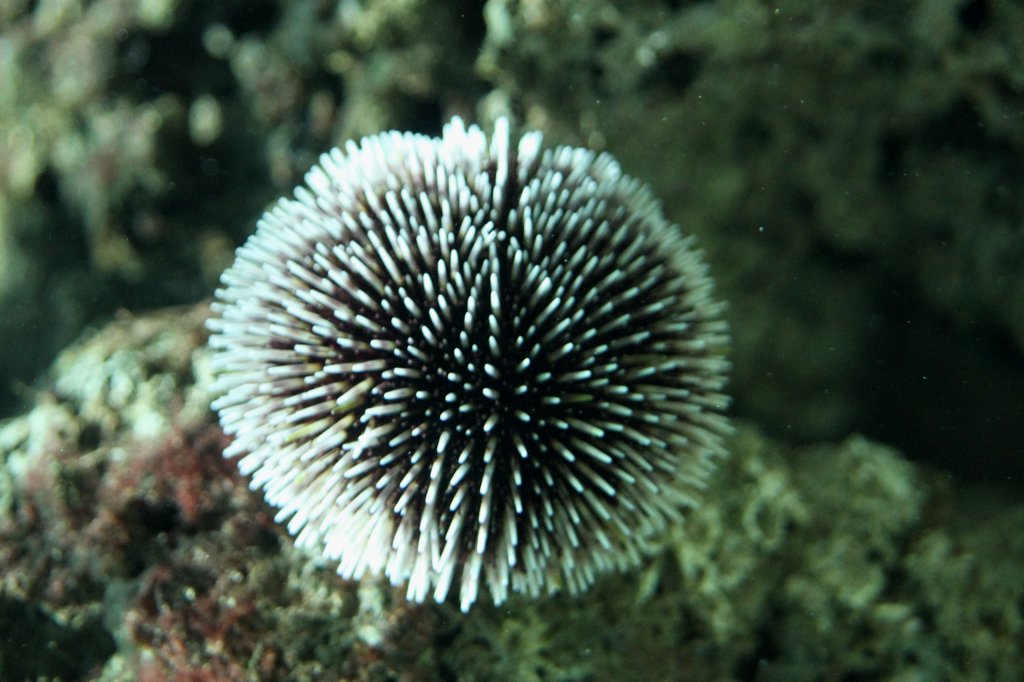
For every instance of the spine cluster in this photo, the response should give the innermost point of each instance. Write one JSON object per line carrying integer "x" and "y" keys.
{"x": 471, "y": 365}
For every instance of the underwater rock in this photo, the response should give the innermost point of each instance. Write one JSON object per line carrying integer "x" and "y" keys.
{"x": 118, "y": 514}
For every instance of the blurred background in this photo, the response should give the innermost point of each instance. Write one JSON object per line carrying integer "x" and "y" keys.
{"x": 852, "y": 169}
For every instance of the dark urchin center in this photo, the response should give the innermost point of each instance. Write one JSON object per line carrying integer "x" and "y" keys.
{"x": 513, "y": 376}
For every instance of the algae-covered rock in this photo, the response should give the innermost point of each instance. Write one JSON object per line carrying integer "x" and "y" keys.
{"x": 132, "y": 541}
{"x": 121, "y": 524}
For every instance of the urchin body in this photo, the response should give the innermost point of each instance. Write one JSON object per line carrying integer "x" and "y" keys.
{"x": 469, "y": 365}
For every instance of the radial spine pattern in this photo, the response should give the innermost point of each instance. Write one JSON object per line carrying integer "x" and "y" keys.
{"x": 470, "y": 365}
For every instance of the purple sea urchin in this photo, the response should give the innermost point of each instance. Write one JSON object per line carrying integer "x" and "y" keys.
{"x": 459, "y": 362}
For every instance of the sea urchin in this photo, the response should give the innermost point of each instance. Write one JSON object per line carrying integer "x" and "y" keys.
{"x": 460, "y": 362}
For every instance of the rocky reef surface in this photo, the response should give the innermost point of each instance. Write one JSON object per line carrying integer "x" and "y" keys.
{"x": 130, "y": 549}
